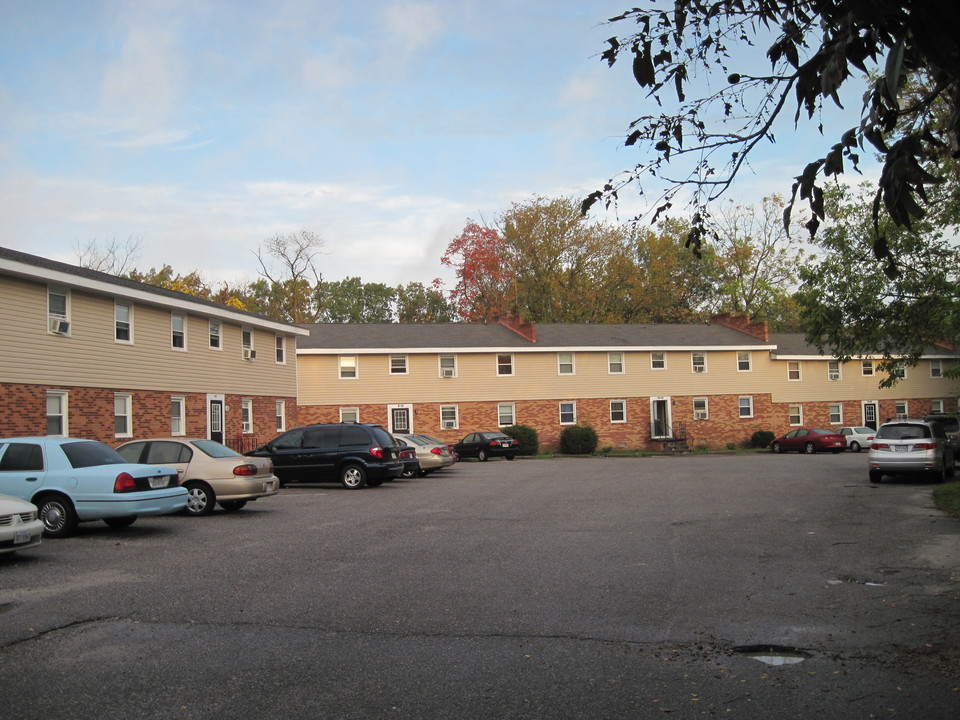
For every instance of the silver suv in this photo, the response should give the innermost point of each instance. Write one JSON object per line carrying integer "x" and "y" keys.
{"x": 904, "y": 447}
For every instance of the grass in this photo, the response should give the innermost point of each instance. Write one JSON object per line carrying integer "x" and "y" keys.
{"x": 947, "y": 498}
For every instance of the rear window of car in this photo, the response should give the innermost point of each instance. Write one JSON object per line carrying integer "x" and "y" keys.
{"x": 91, "y": 454}
{"x": 381, "y": 437}
{"x": 903, "y": 432}
{"x": 161, "y": 453}
{"x": 215, "y": 449}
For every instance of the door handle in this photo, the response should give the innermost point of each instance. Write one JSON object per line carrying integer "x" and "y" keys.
{"x": 31, "y": 479}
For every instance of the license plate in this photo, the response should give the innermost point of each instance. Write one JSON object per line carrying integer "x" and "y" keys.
{"x": 268, "y": 486}
{"x": 899, "y": 448}
{"x": 159, "y": 482}
{"x": 504, "y": 443}
{"x": 21, "y": 536}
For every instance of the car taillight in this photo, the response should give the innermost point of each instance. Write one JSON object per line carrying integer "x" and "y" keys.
{"x": 377, "y": 452}
{"x": 406, "y": 454}
{"x": 436, "y": 451}
{"x": 494, "y": 443}
{"x": 245, "y": 470}
{"x": 879, "y": 446}
{"x": 925, "y": 446}
{"x": 124, "y": 483}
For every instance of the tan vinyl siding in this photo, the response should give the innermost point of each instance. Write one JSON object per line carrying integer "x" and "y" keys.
{"x": 90, "y": 356}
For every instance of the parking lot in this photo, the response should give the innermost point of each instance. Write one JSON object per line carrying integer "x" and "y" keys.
{"x": 564, "y": 588}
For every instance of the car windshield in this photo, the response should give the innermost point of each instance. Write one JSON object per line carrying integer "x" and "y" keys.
{"x": 214, "y": 449}
{"x": 903, "y": 432}
{"x": 90, "y": 454}
{"x": 411, "y": 440}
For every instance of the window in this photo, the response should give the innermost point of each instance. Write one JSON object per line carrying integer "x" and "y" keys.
{"x": 123, "y": 322}
{"x": 398, "y": 364}
{"x": 866, "y": 368}
{"x": 505, "y": 364}
{"x": 658, "y": 361}
{"x": 618, "y": 411}
{"x": 900, "y": 371}
{"x": 213, "y": 332}
{"x": 281, "y": 415}
{"x": 743, "y": 361}
{"x": 568, "y": 413}
{"x": 448, "y": 366}
{"x": 246, "y": 344}
{"x": 281, "y": 350}
{"x": 902, "y": 409}
{"x": 615, "y": 363}
{"x": 348, "y": 367}
{"x": 178, "y": 332}
{"x": 796, "y": 414}
{"x": 745, "y": 403}
{"x": 699, "y": 361}
{"x": 936, "y": 406}
{"x": 449, "y": 417}
{"x": 833, "y": 370}
{"x": 793, "y": 371}
{"x": 122, "y": 420}
{"x": 57, "y": 413}
{"x": 506, "y": 414}
{"x": 178, "y": 421}
{"x": 565, "y": 363}
{"x": 936, "y": 369}
{"x": 836, "y": 414}
{"x": 246, "y": 415}
{"x": 701, "y": 408}
{"x": 58, "y": 311}
{"x": 349, "y": 414}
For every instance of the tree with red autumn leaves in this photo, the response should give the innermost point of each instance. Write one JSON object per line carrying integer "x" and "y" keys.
{"x": 479, "y": 257}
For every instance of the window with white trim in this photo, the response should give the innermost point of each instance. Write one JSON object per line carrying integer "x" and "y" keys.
{"x": 936, "y": 406}
{"x": 246, "y": 415}
{"x": 744, "y": 361}
{"x": 123, "y": 322}
{"x": 658, "y": 361}
{"x": 506, "y": 414}
{"x": 398, "y": 364}
{"x": 833, "y": 370}
{"x": 505, "y": 364}
{"x": 349, "y": 414}
{"x": 281, "y": 415}
{"x": 213, "y": 333}
{"x": 900, "y": 371}
{"x": 58, "y": 311}
{"x": 568, "y": 413}
{"x": 701, "y": 408}
{"x": 936, "y": 369}
{"x": 449, "y": 417}
{"x": 793, "y": 371}
{"x": 836, "y": 414}
{"x": 618, "y": 411}
{"x": 699, "y": 362}
{"x": 281, "y": 345}
{"x": 902, "y": 409}
{"x": 247, "y": 350}
{"x": 448, "y": 366}
{"x": 122, "y": 415}
{"x": 178, "y": 415}
{"x": 348, "y": 367}
{"x": 796, "y": 414}
{"x": 565, "y": 364}
{"x": 57, "y": 413}
{"x": 866, "y": 368}
{"x": 615, "y": 363}
{"x": 178, "y": 331}
{"x": 745, "y": 406}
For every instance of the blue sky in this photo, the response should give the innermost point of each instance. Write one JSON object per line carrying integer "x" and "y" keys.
{"x": 205, "y": 127}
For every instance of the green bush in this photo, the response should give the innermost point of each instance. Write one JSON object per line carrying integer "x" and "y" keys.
{"x": 526, "y": 436}
{"x": 761, "y": 439}
{"x": 578, "y": 440}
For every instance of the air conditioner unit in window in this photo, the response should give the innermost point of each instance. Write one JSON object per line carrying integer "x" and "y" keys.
{"x": 700, "y": 415}
{"x": 446, "y": 372}
{"x": 699, "y": 368}
{"x": 249, "y": 354}
{"x": 59, "y": 326}
{"x": 449, "y": 425}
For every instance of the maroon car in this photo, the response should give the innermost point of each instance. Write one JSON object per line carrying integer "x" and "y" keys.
{"x": 810, "y": 440}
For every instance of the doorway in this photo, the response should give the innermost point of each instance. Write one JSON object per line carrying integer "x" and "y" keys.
{"x": 660, "y": 417}
{"x": 870, "y": 412}
{"x": 400, "y": 419}
{"x": 215, "y": 417}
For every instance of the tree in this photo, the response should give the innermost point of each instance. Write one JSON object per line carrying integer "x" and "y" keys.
{"x": 416, "y": 302}
{"x": 704, "y": 143}
{"x": 478, "y": 256}
{"x": 191, "y": 283}
{"x": 354, "y": 301}
{"x": 288, "y": 265}
{"x": 110, "y": 256}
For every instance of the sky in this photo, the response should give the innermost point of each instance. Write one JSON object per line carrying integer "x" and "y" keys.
{"x": 202, "y": 128}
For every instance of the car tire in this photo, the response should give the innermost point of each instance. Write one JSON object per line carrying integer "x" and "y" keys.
{"x": 232, "y": 505}
{"x": 353, "y": 477}
{"x": 776, "y": 448}
{"x": 200, "y": 498}
{"x": 409, "y": 473}
{"x": 482, "y": 455}
{"x": 120, "y": 522}
{"x": 58, "y": 516}
{"x": 423, "y": 473}
{"x": 854, "y": 446}
{"x": 809, "y": 449}
{"x": 875, "y": 476}
{"x": 510, "y": 457}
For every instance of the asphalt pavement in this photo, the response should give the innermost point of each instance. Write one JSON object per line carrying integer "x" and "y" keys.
{"x": 742, "y": 586}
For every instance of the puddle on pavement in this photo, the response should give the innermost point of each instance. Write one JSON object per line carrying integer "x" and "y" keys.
{"x": 773, "y": 654}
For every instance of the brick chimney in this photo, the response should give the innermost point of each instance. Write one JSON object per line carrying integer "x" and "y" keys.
{"x": 526, "y": 330}
{"x": 741, "y": 323}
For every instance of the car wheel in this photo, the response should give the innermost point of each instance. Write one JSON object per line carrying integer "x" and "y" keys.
{"x": 353, "y": 477}
{"x": 120, "y": 522}
{"x": 58, "y": 516}
{"x": 809, "y": 449}
{"x": 423, "y": 473}
{"x": 408, "y": 473}
{"x": 776, "y": 447}
{"x": 482, "y": 455}
{"x": 875, "y": 476}
{"x": 200, "y": 498}
{"x": 854, "y": 446}
{"x": 510, "y": 457}
{"x": 232, "y": 505}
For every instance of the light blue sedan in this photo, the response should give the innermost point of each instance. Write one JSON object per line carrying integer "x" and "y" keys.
{"x": 73, "y": 481}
